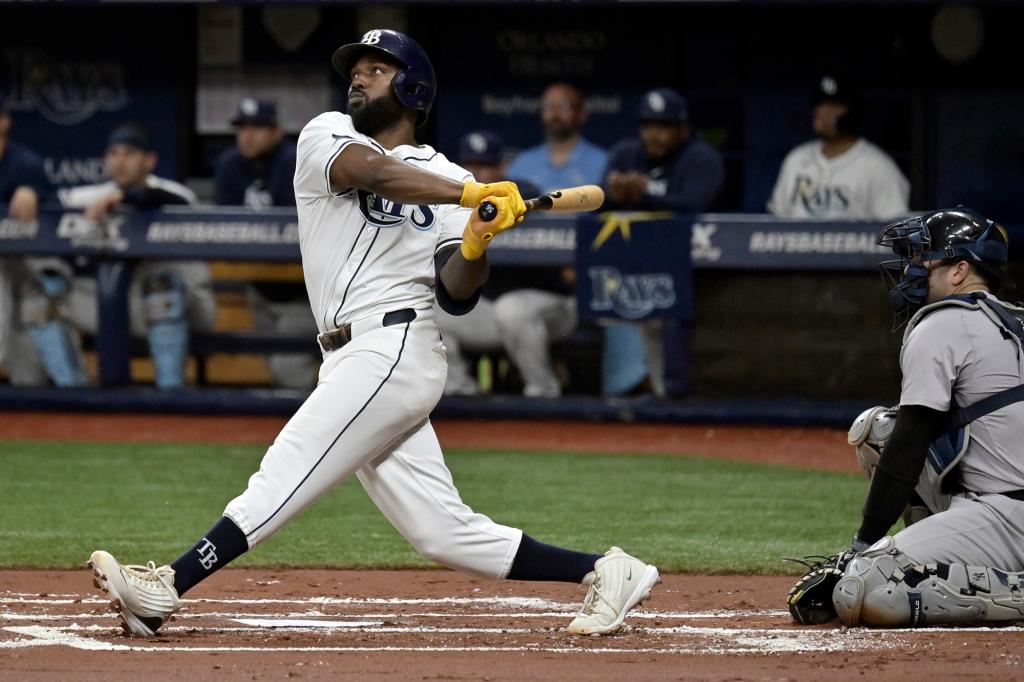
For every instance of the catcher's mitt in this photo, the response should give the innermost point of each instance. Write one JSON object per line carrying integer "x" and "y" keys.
{"x": 810, "y": 600}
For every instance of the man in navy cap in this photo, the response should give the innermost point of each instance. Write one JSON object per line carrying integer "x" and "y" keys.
{"x": 257, "y": 173}
{"x": 667, "y": 168}
{"x": 165, "y": 299}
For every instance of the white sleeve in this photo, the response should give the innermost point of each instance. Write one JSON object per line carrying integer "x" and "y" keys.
{"x": 319, "y": 144}
{"x": 931, "y": 359}
{"x": 890, "y": 191}
{"x": 453, "y": 218}
{"x": 83, "y": 195}
{"x": 778, "y": 203}
{"x": 453, "y": 223}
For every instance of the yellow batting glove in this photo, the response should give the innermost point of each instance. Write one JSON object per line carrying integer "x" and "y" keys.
{"x": 479, "y": 233}
{"x": 474, "y": 193}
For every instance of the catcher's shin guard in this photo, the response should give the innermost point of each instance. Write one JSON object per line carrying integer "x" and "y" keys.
{"x": 883, "y": 587}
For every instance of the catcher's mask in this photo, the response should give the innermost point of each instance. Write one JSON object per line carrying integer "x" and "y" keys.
{"x": 944, "y": 235}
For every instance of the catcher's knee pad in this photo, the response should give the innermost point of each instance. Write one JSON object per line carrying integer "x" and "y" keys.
{"x": 884, "y": 588}
{"x": 869, "y": 434}
{"x": 167, "y": 327}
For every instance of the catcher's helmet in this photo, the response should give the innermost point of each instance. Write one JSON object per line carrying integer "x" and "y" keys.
{"x": 415, "y": 85}
{"x": 946, "y": 234}
{"x": 829, "y": 89}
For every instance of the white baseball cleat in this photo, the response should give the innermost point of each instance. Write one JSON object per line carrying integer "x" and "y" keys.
{"x": 144, "y": 596}
{"x": 618, "y": 583}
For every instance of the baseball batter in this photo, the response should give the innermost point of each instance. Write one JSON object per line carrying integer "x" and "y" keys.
{"x": 953, "y": 448}
{"x": 385, "y": 226}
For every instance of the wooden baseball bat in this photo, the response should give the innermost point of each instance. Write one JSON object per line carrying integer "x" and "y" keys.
{"x": 568, "y": 200}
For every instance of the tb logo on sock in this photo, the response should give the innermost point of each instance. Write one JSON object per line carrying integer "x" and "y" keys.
{"x": 207, "y": 554}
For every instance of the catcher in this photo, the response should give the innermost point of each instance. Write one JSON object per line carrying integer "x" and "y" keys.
{"x": 950, "y": 457}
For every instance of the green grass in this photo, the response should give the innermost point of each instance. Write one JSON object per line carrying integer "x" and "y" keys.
{"x": 60, "y": 501}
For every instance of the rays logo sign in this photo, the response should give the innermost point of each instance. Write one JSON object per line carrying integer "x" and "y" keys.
{"x": 633, "y": 266}
{"x": 384, "y": 213}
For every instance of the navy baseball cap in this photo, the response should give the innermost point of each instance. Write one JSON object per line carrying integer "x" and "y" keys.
{"x": 663, "y": 104}
{"x": 832, "y": 89}
{"x": 131, "y": 135}
{"x": 256, "y": 111}
{"x": 481, "y": 146}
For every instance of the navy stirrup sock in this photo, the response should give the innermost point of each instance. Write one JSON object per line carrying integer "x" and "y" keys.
{"x": 537, "y": 561}
{"x": 224, "y": 543}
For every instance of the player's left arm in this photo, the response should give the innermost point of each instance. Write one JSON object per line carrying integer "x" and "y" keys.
{"x": 466, "y": 269}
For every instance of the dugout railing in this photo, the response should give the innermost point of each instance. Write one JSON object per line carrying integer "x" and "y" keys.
{"x": 789, "y": 319}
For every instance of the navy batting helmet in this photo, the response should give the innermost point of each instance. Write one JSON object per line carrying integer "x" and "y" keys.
{"x": 415, "y": 85}
{"x": 949, "y": 234}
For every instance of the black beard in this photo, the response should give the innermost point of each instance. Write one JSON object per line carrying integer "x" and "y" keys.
{"x": 377, "y": 115}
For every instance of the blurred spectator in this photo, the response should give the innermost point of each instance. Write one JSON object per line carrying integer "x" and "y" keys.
{"x": 566, "y": 158}
{"x": 257, "y": 172}
{"x": 523, "y": 322}
{"x": 23, "y": 185}
{"x": 841, "y": 175}
{"x": 667, "y": 168}
{"x": 165, "y": 298}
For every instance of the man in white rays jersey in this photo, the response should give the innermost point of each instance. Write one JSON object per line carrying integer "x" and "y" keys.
{"x": 385, "y": 226}
{"x": 841, "y": 175}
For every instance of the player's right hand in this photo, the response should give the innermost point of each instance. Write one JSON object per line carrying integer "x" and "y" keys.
{"x": 479, "y": 233}
{"x": 474, "y": 193}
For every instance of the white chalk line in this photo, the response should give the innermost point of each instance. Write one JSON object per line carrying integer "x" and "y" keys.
{"x": 644, "y": 615}
{"x": 42, "y": 636}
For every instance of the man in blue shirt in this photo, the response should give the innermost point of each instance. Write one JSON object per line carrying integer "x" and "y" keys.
{"x": 667, "y": 168}
{"x": 566, "y": 159}
{"x": 258, "y": 171}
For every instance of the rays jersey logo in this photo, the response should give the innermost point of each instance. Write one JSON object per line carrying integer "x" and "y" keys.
{"x": 820, "y": 199}
{"x": 384, "y": 213}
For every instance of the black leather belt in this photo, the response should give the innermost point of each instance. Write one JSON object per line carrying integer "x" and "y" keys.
{"x": 335, "y": 339}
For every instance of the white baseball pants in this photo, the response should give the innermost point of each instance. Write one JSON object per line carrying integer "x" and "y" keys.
{"x": 369, "y": 416}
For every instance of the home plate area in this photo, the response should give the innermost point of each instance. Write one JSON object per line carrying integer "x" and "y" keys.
{"x": 257, "y": 615}
{"x": 461, "y": 623}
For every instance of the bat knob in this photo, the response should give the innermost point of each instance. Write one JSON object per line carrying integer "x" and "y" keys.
{"x": 487, "y": 211}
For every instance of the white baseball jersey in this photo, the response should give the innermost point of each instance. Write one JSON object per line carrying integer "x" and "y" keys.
{"x": 863, "y": 183}
{"x": 361, "y": 254}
